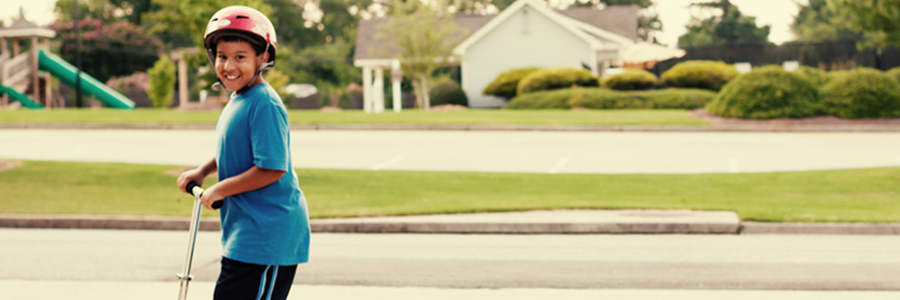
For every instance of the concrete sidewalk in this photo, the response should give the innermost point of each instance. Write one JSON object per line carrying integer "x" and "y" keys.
{"x": 84, "y": 290}
{"x": 527, "y": 222}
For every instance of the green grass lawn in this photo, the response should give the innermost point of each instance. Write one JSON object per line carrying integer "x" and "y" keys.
{"x": 863, "y": 195}
{"x": 409, "y": 116}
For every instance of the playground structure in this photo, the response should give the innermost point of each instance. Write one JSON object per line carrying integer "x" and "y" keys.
{"x": 24, "y": 74}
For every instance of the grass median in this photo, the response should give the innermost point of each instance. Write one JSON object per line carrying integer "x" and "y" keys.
{"x": 662, "y": 117}
{"x": 859, "y": 195}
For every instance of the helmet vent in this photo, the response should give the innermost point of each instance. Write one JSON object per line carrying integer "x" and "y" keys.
{"x": 214, "y": 19}
{"x": 242, "y": 17}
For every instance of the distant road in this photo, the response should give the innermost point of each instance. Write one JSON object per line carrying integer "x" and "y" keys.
{"x": 490, "y": 151}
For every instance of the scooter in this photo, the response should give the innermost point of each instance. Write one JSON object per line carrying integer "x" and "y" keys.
{"x": 185, "y": 277}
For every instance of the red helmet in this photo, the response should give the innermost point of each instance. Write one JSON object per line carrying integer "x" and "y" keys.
{"x": 244, "y": 22}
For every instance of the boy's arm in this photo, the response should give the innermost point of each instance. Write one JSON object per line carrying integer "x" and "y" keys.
{"x": 252, "y": 179}
{"x": 197, "y": 175}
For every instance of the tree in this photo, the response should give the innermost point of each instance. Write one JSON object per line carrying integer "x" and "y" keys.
{"x": 730, "y": 28}
{"x": 816, "y": 22}
{"x": 328, "y": 66}
{"x": 162, "y": 82}
{"x": 879, "y": 20}
{"x": 108, "y": 49}
{"x": 190, "y": 17}
{"x": 422, "y": 36}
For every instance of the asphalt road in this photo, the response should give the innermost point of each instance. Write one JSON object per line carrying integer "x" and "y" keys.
{"x": 643, "y": 262}
{"x": 498, "y": 151}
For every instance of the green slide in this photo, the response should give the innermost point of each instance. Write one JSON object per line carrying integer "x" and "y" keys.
{"x": 66, "y": 72}
{"x": 26, "y": 102}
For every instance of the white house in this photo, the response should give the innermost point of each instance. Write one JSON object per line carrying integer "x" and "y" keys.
{"x": 526, "y": 34}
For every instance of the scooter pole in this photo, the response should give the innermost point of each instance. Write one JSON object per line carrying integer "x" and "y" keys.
{"x": 185, "y": 276}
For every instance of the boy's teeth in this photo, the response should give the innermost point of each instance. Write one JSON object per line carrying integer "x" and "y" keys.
{"x": 231, "y": 77}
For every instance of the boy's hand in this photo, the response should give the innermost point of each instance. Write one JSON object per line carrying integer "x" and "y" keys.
{"x": 209, "y": 196}
{"x": 195, "y": 175}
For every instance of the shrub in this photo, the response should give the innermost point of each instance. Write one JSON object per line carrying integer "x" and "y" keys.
{"x": 814, "y": 75}
{"x": 448, "y": 92}
{"x": 701, "y": 74}
{"x": 894, "y": 72}
{"x": 162, "y": 82}
{"x": 552, "y": 79}
{"x": 630, "y": 80}
{"x": 862, "y": 93}
{"x": 506, "y": 84}
{"x": 278, "y": 80}
{"x": 767, "y": 93}
{"x": 602, "y": 98}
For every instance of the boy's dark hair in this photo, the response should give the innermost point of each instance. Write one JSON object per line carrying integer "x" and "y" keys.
{"x": 258, "y": 47}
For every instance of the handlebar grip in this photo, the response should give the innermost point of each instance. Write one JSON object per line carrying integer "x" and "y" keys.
{"x": 190, "y": 189}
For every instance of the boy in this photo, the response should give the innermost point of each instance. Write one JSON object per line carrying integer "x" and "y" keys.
{"x": 265, "y": 223}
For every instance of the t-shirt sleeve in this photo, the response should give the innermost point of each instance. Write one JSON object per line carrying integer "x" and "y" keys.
{"x": 270, "y": 137}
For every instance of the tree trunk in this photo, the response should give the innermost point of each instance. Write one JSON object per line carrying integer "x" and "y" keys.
{"x": 425, "y": 99}
{"x": 417, "y": 90}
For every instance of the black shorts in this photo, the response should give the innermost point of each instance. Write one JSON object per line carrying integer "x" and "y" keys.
{"x": 243, "y": 281}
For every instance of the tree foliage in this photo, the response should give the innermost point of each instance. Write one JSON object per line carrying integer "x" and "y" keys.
{"x": 815, "y": 22}
{"x": 162, "y": 82}
{"x": 108, "y": 48}
{"x": 422, "y": 37}
{"x": 879, "y": 20}
{"x": 731, "y": 27}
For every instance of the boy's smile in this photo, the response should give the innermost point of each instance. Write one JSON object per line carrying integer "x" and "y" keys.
{"x": 236, "y": 63}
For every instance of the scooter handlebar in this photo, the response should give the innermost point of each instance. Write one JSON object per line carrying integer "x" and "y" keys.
{"x": 194, "y": 189}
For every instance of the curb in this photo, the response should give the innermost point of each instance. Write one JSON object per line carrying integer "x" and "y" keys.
{"x": 105, "y": 222}
{"x": 464, "y": 127}
{"x": 820, "y": 228}
{"x": 367, "y": 225}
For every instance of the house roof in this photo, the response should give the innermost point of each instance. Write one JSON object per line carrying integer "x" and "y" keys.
{"x": 618, "y": 20}
{"x": 367, "y": 46}
{"x": 24, "y": 28}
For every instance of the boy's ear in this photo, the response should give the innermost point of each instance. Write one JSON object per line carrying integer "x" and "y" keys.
{"x": 265, "y": 58}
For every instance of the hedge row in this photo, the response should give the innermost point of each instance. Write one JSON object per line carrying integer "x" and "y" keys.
{"x": 771, "y": 92}
{"x": 603, "y": 98}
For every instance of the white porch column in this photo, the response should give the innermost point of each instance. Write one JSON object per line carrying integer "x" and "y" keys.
{"x": 367, "y": 89}
{"x": 396, "y": 77}
{"x": 379, "y": 91}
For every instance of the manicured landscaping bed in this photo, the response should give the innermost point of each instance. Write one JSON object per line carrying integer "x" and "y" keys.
{"x": 860, "y": 195}
{"x": 410, "y": 116}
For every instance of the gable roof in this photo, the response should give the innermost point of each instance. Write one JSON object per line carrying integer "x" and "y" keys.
{"x": 367, "y": 46}
{"x": 617, "y": 23}
{"x": 618, "y": 19}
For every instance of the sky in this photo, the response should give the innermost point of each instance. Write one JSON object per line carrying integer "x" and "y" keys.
{"x": 674, "y": 14}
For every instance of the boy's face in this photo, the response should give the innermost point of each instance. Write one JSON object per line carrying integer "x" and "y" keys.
{"x": 236, "y": 63}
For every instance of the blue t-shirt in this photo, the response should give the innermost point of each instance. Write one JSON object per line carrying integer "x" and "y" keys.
{"x": 270, "y": 225}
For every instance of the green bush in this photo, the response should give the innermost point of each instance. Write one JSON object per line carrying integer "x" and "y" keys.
{"x": 894, "y": 72}
{"x": 862, "y": 93}
{"x": 552, "y": 79}
{"x": 448, "y": 92}
{"x": 630, "y": 80}
{"x": 506, "y": 84}
{"x": 701, "y": 74}
{"x": 767, "y": 93}
{"x": 602, "y": 98}
{"x": 162, "y": 82}
{"x": 815, "y": 76}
